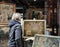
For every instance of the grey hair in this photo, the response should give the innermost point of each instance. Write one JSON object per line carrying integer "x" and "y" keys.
{"x": 16, "y": 16}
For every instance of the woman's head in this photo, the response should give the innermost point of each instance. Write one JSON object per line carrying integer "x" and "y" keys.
{"x": 16, "y": 16}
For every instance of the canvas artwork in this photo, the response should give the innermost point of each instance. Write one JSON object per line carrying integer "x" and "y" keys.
{"x": 4, "y": 36}
{"x": 32, "y": 27}
{"x": 46, "y": 41}
{"x": 6, "y": 11}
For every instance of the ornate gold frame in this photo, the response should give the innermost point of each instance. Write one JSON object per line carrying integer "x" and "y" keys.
{"x": 32, "y": 27}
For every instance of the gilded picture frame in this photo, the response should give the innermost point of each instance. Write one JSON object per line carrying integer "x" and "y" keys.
{"x": 32, "y": 27}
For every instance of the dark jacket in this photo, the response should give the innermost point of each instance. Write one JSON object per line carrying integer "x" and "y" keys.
{"x": 15, "y": 34}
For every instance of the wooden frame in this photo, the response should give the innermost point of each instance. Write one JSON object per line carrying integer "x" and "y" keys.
{"x": 46, "y": 41}
{"x": 6, "y": 11}
{"x": 32, "y": 27}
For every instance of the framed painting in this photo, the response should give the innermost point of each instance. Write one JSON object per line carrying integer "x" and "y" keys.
{"x": 46, "y": 41}
{"x": 6, "y": 11}
{"x": 37, "y": 13}
{"x": 4, "y": 33}
{"x": 32, "y": 27}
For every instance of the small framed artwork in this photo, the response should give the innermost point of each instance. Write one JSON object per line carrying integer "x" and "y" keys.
{"x": 46, "y": 41}
{"x": 6, "y": 11}
{"x": 32, "y": 27}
